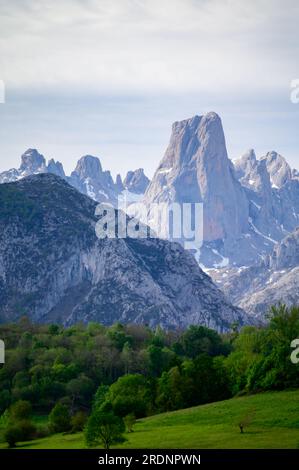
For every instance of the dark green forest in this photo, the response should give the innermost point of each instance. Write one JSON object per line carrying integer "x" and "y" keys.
{"x": 133, "y": 371}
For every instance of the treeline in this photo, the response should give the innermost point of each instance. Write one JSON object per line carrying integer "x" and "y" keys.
{"x": 140, "y": 371}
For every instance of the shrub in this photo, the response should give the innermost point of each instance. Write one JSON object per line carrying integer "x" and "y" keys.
{"x": 59, "y": 419}
{"x": 21, "y": 410}
{"x": 78, "y": 421}
{"x": 129, "y": 421}
{"x": 42, "y": 431}
{"x": 21, "y": 431}
{"x": 12, "y": 435}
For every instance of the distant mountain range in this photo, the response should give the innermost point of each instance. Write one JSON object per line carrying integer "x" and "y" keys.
{"x": 88, "y": 177}
{"x": 251, "y": 205}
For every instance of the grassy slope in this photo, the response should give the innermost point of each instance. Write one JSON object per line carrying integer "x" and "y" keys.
{"x": 275, "y": 424}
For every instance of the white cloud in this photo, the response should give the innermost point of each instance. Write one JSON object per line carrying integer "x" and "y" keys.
{"x": 127, "y": 46}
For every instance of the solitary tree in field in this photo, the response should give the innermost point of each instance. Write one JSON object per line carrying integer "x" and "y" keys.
{"x": 104, "y": 427}
{"x": 246, "y": 420}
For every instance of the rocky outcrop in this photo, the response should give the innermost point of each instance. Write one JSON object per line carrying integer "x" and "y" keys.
{"x": 90, "y": 179}
{"x": 32, "y": 163}
{"x": 286, "y": 253}
{"x": 55, "y": 168}
{"x": 274, "y": 280}
{"x": 136, "y": 181}
{"x": 54, "y": 268}
{"x": 272, "y": 191}
{"x": 279, "y": 170}
{"x": 119, "y": 184}
{"x": 255, "y": 178}
{"x": 9, "y": 176}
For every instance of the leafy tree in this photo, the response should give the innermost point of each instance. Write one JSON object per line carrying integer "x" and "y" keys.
{"x": 20, "y": 431}
{"x": 54, "y": 329}
{"x": 80, "y": 389}
{"x": 12, "y": 435}
{"x": 118, "y": 336}
{"x": 160, "y": 359}
{"x": 246, "y": 420}
{"x": 4, "y": 419}
{"x": 261, "y": 359}
{"x": 21, "y": 410}
{"x": 202, "y": 376}
{"x": 127, "y": 356}
{"x": 100, "y": 396}
{"x": 199, "y": 340}
{"x": 221, "y": 379}
{"x": 59, "y": 418}
{"x": 129, "y": 421}
{"x": 104, "y": 427}
{"x": 130, "y": 394}
{"x": 78, "y": 421}
{"x": 5, "y": 399}
{"x": 170, "y": 392}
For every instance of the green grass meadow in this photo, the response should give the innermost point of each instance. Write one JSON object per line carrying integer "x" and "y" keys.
{"x": 273, "y": 424}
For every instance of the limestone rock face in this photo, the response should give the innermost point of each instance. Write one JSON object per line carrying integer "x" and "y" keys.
{"x": 196, "y": 168}
{"x": 286, "y": 253}
{"x": 274, "y": 280}
{"x": 272, "y": 190}
{"x": 53, "y": 268}
{"x": 279, "y": 170}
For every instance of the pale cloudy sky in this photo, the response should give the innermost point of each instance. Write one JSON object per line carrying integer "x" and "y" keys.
{"x": 108, "y": 77}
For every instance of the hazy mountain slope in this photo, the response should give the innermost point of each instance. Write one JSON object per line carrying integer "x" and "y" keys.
{"x": 274, "y": 280}
{"x": 53, "y": 268}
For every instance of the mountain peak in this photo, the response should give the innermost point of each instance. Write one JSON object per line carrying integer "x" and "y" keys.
{"x": 136, "y": 181}
{"x": 55, "y": 168}
{"x": 196, "y": 168}
{"x": 119, "y": 184}
{"x": 32, "y": 161}
{"x": 88, "y": 166}
{"x": 195, "y": 121}
{"x": 278, "y": 168}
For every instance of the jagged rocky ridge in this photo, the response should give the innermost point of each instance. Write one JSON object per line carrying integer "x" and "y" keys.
{"x": 88, "y": 177}
{"x": 54, "y": 268}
